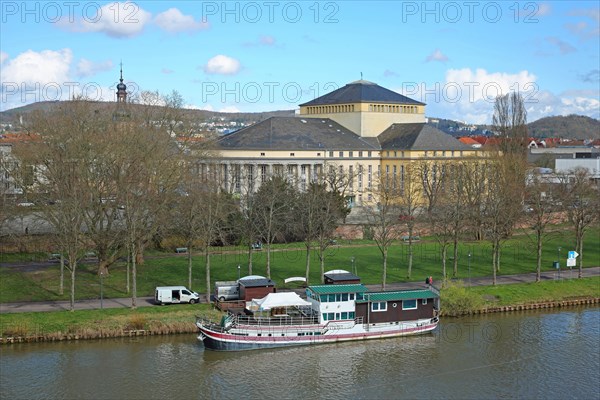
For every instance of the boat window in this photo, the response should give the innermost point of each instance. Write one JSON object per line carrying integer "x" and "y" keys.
{"x": 323, "y": 298}
{"x": 344, "y": 315}
{"x": 351, "y": 315}
{"x": 332, "y": 297}
{"x": 379, "y": 306}
{"x": 351, "y": 296}
{"x": 359, "y": 296}
{"x": 344, "y": 296}
{"x": 338, "y": 297}
{"x": 331, "y": 316}
{"x": 424, "y": 301}
{"x": 409, "y": 304}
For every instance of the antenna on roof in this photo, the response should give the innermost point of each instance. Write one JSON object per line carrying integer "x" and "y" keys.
{"x": 361, "y": 76}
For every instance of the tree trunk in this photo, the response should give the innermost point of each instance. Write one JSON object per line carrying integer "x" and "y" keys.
{"x": 455, "y": 254}
{"x": 307, "y": 263}
{"x": 103, "y": 267}
{"x": 269, "y": 260}
{"x": 385, "y": 256}
{"x": 444, "y": 251}
{"x": 207, "y": 257}
{"x": 410, "y": 259}
{"x": 580, "y": 251}
{"x": 538, "y": 271}
{"x": 322, "y": 260}
{"x": 494, "y": 259}
{"x": 250, "y": 251}
{"x": 61, "y": 288}
{"x": 133, "y": 276}
{"x": 189, "y": 267}
{"x": 73, "y": 265}
{"x": 128, "y": 272}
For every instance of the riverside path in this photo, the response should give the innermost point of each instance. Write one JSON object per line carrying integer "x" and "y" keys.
{"x": 41, "y": 306}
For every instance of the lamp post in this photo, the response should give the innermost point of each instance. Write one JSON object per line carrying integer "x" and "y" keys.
{"x": 469, "y": 267}
{"x": 239, "y": 272}
{"x": 352, "y": 260}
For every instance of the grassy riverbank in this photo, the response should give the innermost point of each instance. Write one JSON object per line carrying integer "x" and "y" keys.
{"x": 90, "y": 324}
{"x": 361, "y": 257}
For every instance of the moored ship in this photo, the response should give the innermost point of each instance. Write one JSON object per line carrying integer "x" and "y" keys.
{"x": 342, "y": 310}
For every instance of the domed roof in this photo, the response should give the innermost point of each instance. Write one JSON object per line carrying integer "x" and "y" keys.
{"x": 121, "y": 86}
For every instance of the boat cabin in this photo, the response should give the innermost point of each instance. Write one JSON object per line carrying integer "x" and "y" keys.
{"x": 335, "y": 302}
{"x": 340, "y": 277}
{"x": 403, "y": 305}
{"x": 347, "y": 302}
{"x": 255, "y": 287}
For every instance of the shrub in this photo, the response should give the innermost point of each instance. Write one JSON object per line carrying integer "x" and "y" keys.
{"x": 456, "y": 299}
{"x": 137, "y": 322}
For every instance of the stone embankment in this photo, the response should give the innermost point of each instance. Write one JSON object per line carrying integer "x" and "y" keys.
{"x": 532, "y": 306}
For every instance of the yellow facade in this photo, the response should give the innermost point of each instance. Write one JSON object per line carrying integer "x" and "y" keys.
{"x": 367, "y": 119}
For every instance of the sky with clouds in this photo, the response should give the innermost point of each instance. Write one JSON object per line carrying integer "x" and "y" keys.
{"x": 262, "y": 56}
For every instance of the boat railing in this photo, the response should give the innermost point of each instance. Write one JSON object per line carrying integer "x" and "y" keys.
{"x": 275, "y": 321}
{"x": 209, "y": 324}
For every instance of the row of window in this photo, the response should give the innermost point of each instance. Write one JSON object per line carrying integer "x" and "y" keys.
{"x": 351, "y": 154}
{"x": 330, "y": 109}
{"x": 332, "y": 297}
{"x": 377, "y": 306}
{"x": 434, "y": 153}
{"x": 338, "y": 316}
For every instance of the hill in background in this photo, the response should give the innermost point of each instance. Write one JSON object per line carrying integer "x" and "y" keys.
{"x": 567, "y": 127}
{"x": 571, "y": 127}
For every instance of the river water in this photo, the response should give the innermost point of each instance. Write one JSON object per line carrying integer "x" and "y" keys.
{"x": 545, "y": 354}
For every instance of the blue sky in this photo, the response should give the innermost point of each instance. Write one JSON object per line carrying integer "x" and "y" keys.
{"x": 269, "y": 55}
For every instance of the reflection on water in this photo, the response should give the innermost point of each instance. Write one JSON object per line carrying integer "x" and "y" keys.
{"x": 527, "y": 355}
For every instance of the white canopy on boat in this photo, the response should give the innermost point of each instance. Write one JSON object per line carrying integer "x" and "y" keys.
{"x": 282, "y": 299}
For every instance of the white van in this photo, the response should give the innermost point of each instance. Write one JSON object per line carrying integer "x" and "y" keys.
{"x": 175, "y": 295}
{"x": 227, "y": 290}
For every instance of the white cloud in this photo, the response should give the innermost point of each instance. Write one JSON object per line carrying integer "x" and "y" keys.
{"x": 88, "y": 68}
{"x": 222, "y": 65}
{"x": 166, "y": 71}
{"x": 174, "y": 21}
{"x": 564, "y": 47}
{"x": 568, "y": 102}
{"x": 118, "y": 20}
{"x": 543, "y": 10}
{"x": 42, "y": 68}
{"x": 3, "y": 57}
{"x": 437, "y": 55}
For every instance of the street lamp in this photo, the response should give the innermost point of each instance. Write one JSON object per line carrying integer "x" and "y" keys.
{"x": 469, "y": 267}
{"x": 239, "y": 272}
{"x": 352, "y": 260}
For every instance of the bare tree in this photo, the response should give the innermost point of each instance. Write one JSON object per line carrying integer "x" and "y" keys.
{"x": 317, "y": 214}
{"x": 383, "y": 214}
{"x": 580, "y": 196}
{"x": 273, "y": 202}
{"x": 510, "y": 123}
{"x": 539, "y": 210}
{"x": 410, "y": 190}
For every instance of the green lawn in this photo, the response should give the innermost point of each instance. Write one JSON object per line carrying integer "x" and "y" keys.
{"x": 526, "y": 293}
{"x": 518, "y": 256}
{"x": 108, "y": 320}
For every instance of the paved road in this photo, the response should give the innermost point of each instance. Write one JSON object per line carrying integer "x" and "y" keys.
{"x": 149, "y": 301}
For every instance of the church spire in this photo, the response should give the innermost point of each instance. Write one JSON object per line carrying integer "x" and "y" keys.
{"x": 121, "y": 88}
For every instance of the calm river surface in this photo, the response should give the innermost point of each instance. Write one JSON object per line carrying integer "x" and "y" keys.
{"x": 553, "y": 354}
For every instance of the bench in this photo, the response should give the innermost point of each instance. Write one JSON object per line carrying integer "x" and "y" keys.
{"x": 414, "y": 238}
{"x": 181, "y": 250}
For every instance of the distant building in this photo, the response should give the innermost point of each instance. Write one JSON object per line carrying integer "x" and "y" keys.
{"x": 360, "y": 130}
